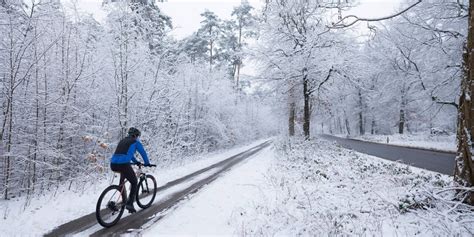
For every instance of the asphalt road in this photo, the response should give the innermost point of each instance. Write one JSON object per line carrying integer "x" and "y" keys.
{"x": 135, "y": 222}
{"x": 442, "y": 162}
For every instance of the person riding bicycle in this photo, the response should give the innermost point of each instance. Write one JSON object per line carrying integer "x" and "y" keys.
{"x": 120, "y": 162}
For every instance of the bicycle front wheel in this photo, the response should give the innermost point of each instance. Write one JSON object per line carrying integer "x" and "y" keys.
{"x": 146, "y": 191}
{"x": 110, "y": 206}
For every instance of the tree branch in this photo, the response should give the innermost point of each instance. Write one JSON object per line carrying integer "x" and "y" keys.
{"x": 322, "y": 83}
{"x": 444, "y": 102}
{"x": 341, "y": 24}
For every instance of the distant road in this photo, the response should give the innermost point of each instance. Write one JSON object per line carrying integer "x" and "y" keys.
{"x": 442, "y": 162}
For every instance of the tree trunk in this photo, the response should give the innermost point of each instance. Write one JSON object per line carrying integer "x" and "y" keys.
{"x": 9, "y": 119}
{"x": 306, "y": 112}
{"x": 37, "y": 115}
{"x": 6, "y": 108}
{"x": 464, "y": 164}
{"x": 9, "y": 145}
{"x": 238, "y": 75}
{"x": 291, "y": 119}
{"x": 292, "y": 112}
{"x": 211, "y": 42}
{"x": 65, "y": 78}
{"x": 401, "y": 123}
{"x": 339, "y": 125}
{"x": 239, "y": 63}
{"x": 123, "y": 74}
{"x": 361, "y": 116}
{"x": 346, "y": 123}
{"x": 372, "y": 129}
{"x": 45, "y": 114}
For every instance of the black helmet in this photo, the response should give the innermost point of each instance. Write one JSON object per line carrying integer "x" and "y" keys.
{"x": 133, "y": 132}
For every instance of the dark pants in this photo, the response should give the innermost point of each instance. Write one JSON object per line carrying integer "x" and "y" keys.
{"x": 126, "y": 172}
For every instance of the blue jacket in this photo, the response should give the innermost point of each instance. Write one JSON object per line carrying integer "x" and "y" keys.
{"x": 125, "y": 151}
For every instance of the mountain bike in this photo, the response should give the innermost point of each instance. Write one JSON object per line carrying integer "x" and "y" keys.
{"x": 111, "y": 203}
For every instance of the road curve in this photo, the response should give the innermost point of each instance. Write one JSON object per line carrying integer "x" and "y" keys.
{"x": 134, "y": 222}
{"x": 442, "y": 162}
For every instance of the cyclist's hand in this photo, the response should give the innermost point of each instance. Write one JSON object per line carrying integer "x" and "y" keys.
{"x": 150, "y": 165}
{"x": 138, "y": 163}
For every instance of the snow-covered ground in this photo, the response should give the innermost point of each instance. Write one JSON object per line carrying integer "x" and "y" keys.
{"x": 291, "y": 188}
{"x": 427, "y": 141}
{"x": 213, "y": 210}
{"x": 319, "y": 188}
{"x": 46, "y": 212}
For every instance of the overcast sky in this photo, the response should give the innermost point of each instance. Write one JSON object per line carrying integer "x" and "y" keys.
{"x": 186, "y": 13}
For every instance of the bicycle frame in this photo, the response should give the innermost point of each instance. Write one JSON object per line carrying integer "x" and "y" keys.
{"x": 140, "y": 176}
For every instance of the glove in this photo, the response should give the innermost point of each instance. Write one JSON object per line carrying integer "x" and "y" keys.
{"x": 150, "y": 165}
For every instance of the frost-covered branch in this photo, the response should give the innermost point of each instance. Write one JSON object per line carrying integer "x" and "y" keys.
{"x": 354, "y": 19}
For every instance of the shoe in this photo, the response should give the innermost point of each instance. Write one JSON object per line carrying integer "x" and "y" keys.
{"x": 130, "y": 208}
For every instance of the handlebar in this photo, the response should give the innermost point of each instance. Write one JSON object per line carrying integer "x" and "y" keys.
{"x": 143, "y": 165}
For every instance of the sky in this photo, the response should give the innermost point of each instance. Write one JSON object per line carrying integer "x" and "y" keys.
{"x": 186, "y": 13}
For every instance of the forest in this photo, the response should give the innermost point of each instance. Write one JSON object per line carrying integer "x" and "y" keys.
{"x": 71, "y": 86}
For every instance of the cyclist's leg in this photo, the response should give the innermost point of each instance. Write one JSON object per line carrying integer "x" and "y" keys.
{"x": 120, "y": 168}
{"x": 122, "y": 178}
{"x": 129, "y": 174}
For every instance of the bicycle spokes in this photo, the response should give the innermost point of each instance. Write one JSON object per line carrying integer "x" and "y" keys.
{"x": 110, "y": 206}
{"x": 146, "y": 191}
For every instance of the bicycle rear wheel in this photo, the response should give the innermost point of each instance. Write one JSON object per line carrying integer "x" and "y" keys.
{"x": 110, "y": 206}
{"x": 146, "y": 191}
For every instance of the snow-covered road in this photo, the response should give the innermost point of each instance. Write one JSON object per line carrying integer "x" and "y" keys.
{"x": 136, "y": 223}
{"x": 170, "y": 194}
{"x": 210, "y": 211}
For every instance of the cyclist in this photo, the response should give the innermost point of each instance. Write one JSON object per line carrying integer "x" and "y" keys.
{"x": 120, "y": 162}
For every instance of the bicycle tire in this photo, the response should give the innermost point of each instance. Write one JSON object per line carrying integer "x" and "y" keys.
{"x": 146, "y": 192}
{"x": 108, "y": 207}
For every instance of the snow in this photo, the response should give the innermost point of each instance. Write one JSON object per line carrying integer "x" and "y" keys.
{"x": 211, "y": 210}
{"x": 162, "y": 195}
{"x": 290, "y": 188}
{"x": 426, "y": 141}
{"x": 46, "y": 212}
{"x": 319, "y": 188}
